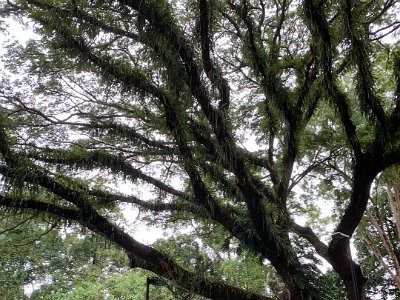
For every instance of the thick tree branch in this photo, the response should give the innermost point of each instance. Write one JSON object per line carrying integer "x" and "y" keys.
{"x": 395, "y": 116}
{"x": 136, "y": 80}
{"x": 28, "y": 203}
{"x": 163, "y": 22}
{"x": 313, "y": 239}
{"x": 212, "y": 70}
{"x": 155, "y": 261}
{"x": 360, "y": 56}
{"x": 102, "y": 159}
{"x": 151, "y": 259}
{"x": 320, "y": 30}
{"x": 265, "y": 67}
{"x": 155, "y": 206}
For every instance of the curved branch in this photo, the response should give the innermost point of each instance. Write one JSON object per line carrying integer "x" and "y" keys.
{"x": 81, "y": 15}
{"x": 386, "y": 6}
{"x": 129, "y": 133}
{"x": 313, "y": 239}
{"x": 154, "y": 260}
{"x": 315, "y": 164}
{"x": 106, "y": 197}
{"x": 27, "y": 203}
{"x": 148, "y": 257}
{"x": 102, "y": 159}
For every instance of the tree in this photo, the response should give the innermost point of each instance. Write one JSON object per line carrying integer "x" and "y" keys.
{"x": 56, "y": 262}
{"x": 220, "y": 108}
{"x": 379, "y": 235}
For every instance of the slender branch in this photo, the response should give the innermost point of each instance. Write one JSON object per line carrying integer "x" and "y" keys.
{"x": 386, "y": 6}
{"x": 37, "y": 238}
{"x": 394, "y": 201}
{"x": 113, "y": 128}
{"x": 377, "y": 223}
{"x": 374, "y": 249}
{"x": 125, "y": 131}
{"x": 297, "y": 178}
{"x": 15, "y": 225}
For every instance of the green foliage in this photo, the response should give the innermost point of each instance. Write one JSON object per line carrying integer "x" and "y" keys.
{"x": 223, "y": 260}
{"x": 58, "y": 263}
{"x": 377, "y": 234}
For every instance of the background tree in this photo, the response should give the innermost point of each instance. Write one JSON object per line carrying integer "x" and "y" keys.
{"x": 379, "y": 236}
{"x": 218, "y": 108}
{"x": 46, "y": 260}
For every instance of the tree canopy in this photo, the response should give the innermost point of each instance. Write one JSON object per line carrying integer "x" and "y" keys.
{"x": 241, "y": 118}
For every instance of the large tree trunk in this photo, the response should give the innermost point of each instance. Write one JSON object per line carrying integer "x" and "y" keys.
{"x": 294, "y": 292}
{"x": 349, "y": 271}
{"x": 360, "y": 289}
